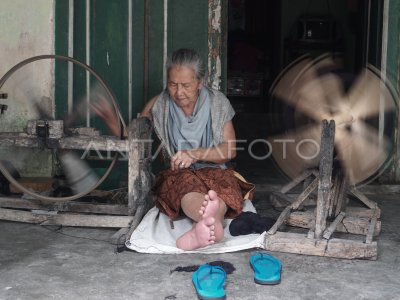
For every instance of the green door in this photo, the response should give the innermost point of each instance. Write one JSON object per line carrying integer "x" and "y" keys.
{"x": 126, "y": 42}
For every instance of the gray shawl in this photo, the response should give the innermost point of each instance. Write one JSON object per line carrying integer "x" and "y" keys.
{"x": 189, "y": 132}
{"x": 221, "y": 112}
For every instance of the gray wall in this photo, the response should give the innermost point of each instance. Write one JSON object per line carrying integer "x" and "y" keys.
{"x": 26, "y": 30}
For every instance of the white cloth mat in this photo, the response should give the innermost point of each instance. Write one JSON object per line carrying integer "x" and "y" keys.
{"x": 156, "y": 235}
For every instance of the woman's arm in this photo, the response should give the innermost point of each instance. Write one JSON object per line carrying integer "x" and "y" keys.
{"x": 221, "y": 153}
{"x": 103, "y": 109}
{"x": 146, "y": 112}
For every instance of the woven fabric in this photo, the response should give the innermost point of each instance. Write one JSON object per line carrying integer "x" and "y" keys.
{"x": 171, "y": 186}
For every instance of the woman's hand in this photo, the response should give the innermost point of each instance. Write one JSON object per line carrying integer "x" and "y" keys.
{"x": 103, "y": 109}
{"x": 182, "y": 160}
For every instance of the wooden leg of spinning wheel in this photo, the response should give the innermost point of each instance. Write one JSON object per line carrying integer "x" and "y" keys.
{"x": 304, "y": 195}
{"x": 371, "y": 204}
{"x": 296, "y": 181}
{"x": 325, "y": 173}
{"x": 140, "y": 177}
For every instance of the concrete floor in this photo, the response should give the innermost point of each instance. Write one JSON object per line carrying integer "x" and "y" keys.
{"x": 79, "y": 263}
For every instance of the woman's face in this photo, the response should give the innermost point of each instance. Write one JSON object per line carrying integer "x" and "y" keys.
{"x": 183, "y": 86}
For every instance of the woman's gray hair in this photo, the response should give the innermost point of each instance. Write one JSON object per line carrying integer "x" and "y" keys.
{"x": 190, "y": 58}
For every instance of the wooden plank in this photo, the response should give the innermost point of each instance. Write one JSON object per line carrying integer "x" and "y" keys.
{"x": 70, "y": 206}
{"x": 332, "y": 227}
{"x": 97, "y": 143}
{"x": 337, "y": 195}
{"x": 282, "y": 218}
{"x": 100, "y": 143}
{"x": 278, "y": 200}
{"x": 349, "y": 224}
{"x": 65, "y": 219}
{"x": 350, "y": 249}
{"x": 139, "y": 165}
{"x": 372, "y": 189}
{"x": 80, "y": 220}
{"x": 362, "y": 212}
{"x": 18, "y": 140}
{"x": 357, "y": 225}
{"x": 308, "y": 181}
{"x": 339, "y": 248}
{"x": 341, "y": 196}
{"x": 302, "y": 219}
{"x": 133, "y": 167}
{"x": 294, "y": 243}
{"x": 311, "y": 232}
{"x": 325, "y": 173}
{"x": 296, "y": 181}
{"x": 371, "y": 230}
{"x": 304, "y": 195}
{"x": 369, "y": 203}
{"x": 21, "y": 216}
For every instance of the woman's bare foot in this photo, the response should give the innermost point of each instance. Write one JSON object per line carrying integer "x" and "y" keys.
{"x": 201, "y": 235}
{"x": 208, "y": 230}
{"x": 210, "y": 205}
{"x": 210, "y": 208}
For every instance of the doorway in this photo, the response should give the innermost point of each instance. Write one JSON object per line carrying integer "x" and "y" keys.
{"x": 266, "y": 36}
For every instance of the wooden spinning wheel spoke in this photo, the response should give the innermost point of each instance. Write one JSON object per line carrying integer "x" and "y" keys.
{"x": 369, "y": 96}
{"x": 302, "y": 88}
{"x": 320, "y": 98}
{"x": 364, "y": 139}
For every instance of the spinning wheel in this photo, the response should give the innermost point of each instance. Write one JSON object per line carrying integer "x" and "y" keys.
{"x": 27, "y": 88}
{"x": 363, "y": 111}
{"x": 341, "y": 137}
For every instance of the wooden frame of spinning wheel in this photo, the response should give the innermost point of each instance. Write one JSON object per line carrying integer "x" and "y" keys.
{"x": 83, "y": 214}
{"x": 64, "y": 211}
{"x": 330, "y": 215}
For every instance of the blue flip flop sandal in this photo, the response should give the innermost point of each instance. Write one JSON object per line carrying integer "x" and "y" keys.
{"x": 209, "y": 282}
{"x": 267, "y": 268}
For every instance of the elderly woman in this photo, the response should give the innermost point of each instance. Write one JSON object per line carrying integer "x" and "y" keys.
{"x": 194, "y": 125}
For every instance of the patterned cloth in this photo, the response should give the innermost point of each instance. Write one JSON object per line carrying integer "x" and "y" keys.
{"x": 171, "y": 186}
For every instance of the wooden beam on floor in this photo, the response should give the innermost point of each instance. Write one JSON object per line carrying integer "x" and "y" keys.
{"x": 66, "y": 219}
{"x": 69, "y": 206}
{"x": 349, "y": 224}
{"x": 338, "y": 248}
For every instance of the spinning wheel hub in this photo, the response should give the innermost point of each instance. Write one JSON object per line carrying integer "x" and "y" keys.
{"x": 343, "y": 119}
